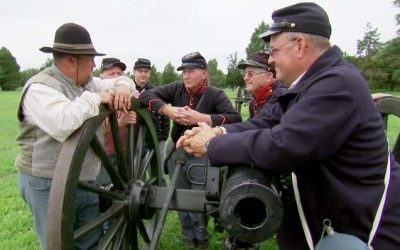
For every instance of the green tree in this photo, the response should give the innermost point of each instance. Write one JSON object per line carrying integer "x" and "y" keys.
{"x": 169, "y": 75}
{"x": 47, "y": 63}
{"x": 216, "y": 76}
{"x": 155, "y": 76}
{"x": 370, "y": 44}
{"x": 396, "y": 3}
{"x": 257, "y": 44}
{"x": 96, "y": 72}
{"x": 233, "y": 77}
{"x": 367, "y": 47}
{"x": 26, "y": 74}
{"x": 388, "y": 61}
{"x": 9, "y": 70}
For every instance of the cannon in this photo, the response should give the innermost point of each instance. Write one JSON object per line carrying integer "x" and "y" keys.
{"x": 242, "y": 198}
{"x": 242, "y": 98}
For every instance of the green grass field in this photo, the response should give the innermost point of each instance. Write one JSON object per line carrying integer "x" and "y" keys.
{"x": 16, "y": 222}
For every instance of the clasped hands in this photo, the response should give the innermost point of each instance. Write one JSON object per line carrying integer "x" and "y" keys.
{"x": 194, "y": 139}
{"x": 186, "y": 116}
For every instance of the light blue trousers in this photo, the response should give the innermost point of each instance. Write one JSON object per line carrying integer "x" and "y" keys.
{"x": 35, "y": 192}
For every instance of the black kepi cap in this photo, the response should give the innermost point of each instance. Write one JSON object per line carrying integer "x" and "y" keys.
{"x": 302, "y": 17}
{"x": 258, "y": 60}
{"x": 142, "y": 63}
{"x": 193, "y": 60}
{"x": 109, "y": 62}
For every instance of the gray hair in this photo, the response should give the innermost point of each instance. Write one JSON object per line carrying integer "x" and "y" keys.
{"x": 319, "y": 42}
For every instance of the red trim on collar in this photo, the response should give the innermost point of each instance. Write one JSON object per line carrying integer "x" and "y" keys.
{"x": 261, "y": 96}
{"x": 200, "y": 91}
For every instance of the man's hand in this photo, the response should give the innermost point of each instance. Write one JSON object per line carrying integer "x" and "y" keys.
{"x": 194, "y": 145}
{"x": 122, "y": 98}
{"x": 106, "y": 98}
{"x": 187, "y": 116}
{"x": 187, "y": 135}
{"x": 127, "y": 119}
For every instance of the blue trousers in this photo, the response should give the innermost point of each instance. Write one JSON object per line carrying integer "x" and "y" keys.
{"x": 35, "y": 192}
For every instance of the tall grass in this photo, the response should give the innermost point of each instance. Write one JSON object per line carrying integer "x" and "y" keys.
{"x": 15, "y": 219}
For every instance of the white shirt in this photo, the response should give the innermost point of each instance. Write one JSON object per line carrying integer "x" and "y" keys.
{"x": 58, "y": 116}
{"x": 296, "y": 81}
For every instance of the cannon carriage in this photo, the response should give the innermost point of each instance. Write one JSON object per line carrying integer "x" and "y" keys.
{"x": 245, "y": 200}
{"x": 242, "y": 98}
{"x": 135, "y": 205}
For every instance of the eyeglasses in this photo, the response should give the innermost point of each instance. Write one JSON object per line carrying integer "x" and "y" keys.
{"x": 273, "y": 50}
{"x": 250, "y": 74}
{"x": 143, "y": 71}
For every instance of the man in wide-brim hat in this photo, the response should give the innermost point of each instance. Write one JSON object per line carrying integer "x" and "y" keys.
{"x": 54, "y": 103}
{"x": 259, "y": 77}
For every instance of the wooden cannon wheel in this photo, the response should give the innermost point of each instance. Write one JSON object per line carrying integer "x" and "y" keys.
{"x": 138, "y": 167}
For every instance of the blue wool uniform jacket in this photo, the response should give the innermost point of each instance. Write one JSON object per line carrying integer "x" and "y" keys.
{"x": 213, "y": 102}
{"x": 328, "y": 131}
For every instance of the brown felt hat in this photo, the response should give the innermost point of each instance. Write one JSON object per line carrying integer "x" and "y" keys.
{"x": 71, "y": 38}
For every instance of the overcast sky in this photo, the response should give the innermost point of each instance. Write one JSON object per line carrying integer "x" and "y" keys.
{"x": 165, "y": 30}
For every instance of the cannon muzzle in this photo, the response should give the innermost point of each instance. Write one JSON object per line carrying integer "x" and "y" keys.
{"x": 250, "y": 208}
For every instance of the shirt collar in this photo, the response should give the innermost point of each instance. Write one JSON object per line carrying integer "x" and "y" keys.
{"x": 296, "y": 81}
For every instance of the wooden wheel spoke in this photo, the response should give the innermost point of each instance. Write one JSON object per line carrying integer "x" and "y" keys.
{"x": 99, "y": 221}
{"x": 140, "y": 143}
{"x": 132, "y": 134}
{"x": 119, "y": 241}
{"x": 100, "y": 191}
{"x": 143, "y": 231}
{"x": 112, "y": 172}
{"x": 145, "y": 164}
{"x": 153, "y": 181}
{"x": 111, "y": 233}
{"x": 131, "y": 236}
{"x": 119, "y": 152}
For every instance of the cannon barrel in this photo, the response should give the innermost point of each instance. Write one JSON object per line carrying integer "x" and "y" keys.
{"x": 250, "y": 209}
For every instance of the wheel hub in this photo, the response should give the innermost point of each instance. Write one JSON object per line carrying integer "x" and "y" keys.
{"x": 137, "y": 200}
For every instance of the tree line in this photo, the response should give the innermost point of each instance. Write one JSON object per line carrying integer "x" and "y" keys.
{"x": 379, "y": 63}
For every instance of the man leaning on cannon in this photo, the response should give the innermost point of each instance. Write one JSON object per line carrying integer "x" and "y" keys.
{"x": 54, "y": 103}
{"x": 193, "y": 100}
{"x": 326, "y": 130}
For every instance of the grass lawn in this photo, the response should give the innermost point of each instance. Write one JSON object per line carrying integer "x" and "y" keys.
{"x": 15, "y": 219}
{"x": 8, "y": 124}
